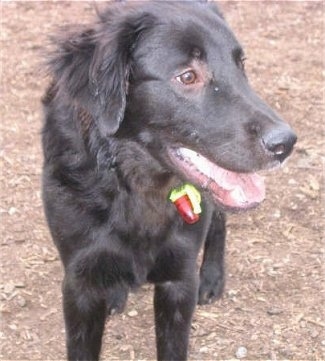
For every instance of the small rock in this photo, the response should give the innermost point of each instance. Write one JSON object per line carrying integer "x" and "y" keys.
{"x": 9, "y": 288}
{"x": 21, "y": 301}
{"x": 12, "y": 211}
{"x": 133, "y": 313}
{"x": 314, "y": 184}
{"x": 241, "y": 352}
{"x": 232, "y": 293}
{"x": 314, "y": 334}
{"x": 303, "y": 324}
{"x": 277, "y": 330}
{"x": 204, "y": 349}
{"x": 13, "y": 327}
{"x": 277, "y": 213}
{"x": 274, "y": 311}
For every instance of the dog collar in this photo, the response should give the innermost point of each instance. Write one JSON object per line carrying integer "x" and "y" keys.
{"x": 187, "y": 200}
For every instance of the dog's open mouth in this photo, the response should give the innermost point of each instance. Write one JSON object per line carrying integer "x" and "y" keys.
{"x": 231, "y": 190}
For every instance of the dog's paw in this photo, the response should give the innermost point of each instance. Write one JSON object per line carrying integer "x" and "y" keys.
{"x": 212, "y": 283}
{"x": 116, "y": 300}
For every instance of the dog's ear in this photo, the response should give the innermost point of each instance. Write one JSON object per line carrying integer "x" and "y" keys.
{"x": 92, "y": 66}
{"x": 111, "y": 65}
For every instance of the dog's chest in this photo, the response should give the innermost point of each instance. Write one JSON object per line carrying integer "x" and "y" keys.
{"x": 152, "y": 231}
{"x": 148, "y": 223}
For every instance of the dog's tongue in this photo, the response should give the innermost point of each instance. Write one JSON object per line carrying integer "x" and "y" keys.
{"x": 235, "y": 190}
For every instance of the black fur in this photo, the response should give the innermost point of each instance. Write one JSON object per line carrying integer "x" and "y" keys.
{"x": 112, "y": 113}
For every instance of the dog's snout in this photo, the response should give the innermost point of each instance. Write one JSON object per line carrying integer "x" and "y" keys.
{"x": 279, "y": 142}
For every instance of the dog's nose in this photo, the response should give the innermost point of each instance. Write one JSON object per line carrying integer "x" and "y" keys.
{"x": 280, "y": 142}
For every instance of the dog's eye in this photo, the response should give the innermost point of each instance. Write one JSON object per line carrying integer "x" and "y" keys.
{"x": 187, "y": 78}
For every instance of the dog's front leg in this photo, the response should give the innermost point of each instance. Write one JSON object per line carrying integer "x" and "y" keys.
{"x": 84, "y": 314}
{"x": 174, "y": 305}
{"x": 212, "y": 270}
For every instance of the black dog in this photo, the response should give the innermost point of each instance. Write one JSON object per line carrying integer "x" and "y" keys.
{"x": 150, "y": 97}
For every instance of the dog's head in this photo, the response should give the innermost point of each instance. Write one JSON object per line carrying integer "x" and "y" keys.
{"x": 171, "y": 76}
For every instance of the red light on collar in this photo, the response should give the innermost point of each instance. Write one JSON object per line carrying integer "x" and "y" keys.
{"x": 187, "y": 201}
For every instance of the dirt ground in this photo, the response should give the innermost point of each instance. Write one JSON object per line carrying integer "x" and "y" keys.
{"x": 274, "y": 300}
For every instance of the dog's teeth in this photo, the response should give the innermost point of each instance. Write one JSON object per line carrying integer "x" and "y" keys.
{"x": 207, "y": 183}
{"x": 238, "y": 194}
{"x": 187, "y": 152}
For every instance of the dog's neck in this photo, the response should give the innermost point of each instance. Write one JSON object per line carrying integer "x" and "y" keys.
{"x": 137, "y": 169}
{"x": 141, "y": 171}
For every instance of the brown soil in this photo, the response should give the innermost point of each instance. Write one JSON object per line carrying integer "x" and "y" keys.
{"x": 274, "y": 300}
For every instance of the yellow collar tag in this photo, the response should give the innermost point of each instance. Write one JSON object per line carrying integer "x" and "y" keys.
{"x": 187, "y": 200}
